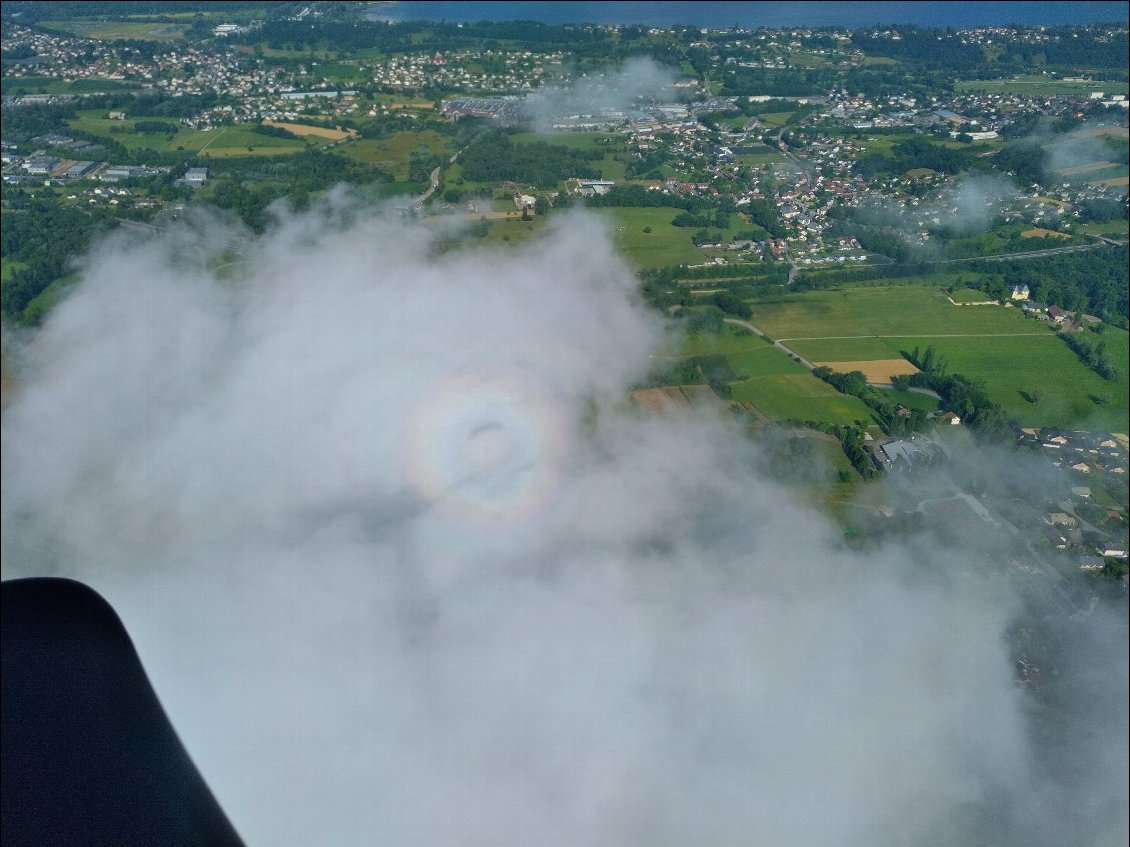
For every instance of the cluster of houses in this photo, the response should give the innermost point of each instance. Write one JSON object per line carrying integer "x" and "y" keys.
{"x": 473, "y": 71}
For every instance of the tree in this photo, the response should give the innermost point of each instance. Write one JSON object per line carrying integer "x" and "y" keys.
{"x": 541, "y": 205}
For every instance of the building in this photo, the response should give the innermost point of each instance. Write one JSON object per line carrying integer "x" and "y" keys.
{"x": 41, "y": 166}
{"x": 1057, "y": 314}
{"x": 1055, "y": 538}
{"x": 589, "y": 187}
{"x": 892, "y": 451}
{"x": 524, "y": 201}
{"x": 80, "y": 170}
{"x": 196, "y": 177}
{"x": 116, "y": 116}
{"x": 1019, "y": 292}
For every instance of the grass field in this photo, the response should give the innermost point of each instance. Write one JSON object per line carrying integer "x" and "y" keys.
{"x": 664, "y": 245}
{"x": 1113, "y": 229}
{"x": 1039, "y": 86}
{"x": 109, "y": 30}
{"x": 779, "y": 387}
{"x": 799, "y": 396}
{"x": 572, "y": 140}
{"x": 12, "y": 87}
{"x": 9, "y": 267}
{"x": 224, "y": 141}
{"x": 969, "y": 295}
{"x": 731, "y": 340}
{"x": 883, "y": 312}
{"x": 1087, "y": 168}
{"x": 1015, "y": 357}
{"x": 1066, "y": 387}
{"x": 393, "y": 153}
{"x": 775, "y": 120}
{"x": 913, "y": 400}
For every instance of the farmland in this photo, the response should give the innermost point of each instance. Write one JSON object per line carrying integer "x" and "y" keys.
{"x": 664, "y": 245}
{"x": 1016, "y": 358}
{"x": 1069, "y": 394}
{"x": 393, "y": 153}
{"x": 799, "y": 396}
{"x": 883, "y": 312}
{"x": 770, "y": 381}
{"x": 109, "y": 30}
{"x": 223, "y": 141}
{"x": 1039, "y": 86}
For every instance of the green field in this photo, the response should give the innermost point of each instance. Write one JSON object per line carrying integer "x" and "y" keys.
{"x": 9, "y": 267}
{"x": 12, "y": 87}
{"x": 843, "y": 349}
{"x": 780, "y": 388}
{"x": 799, "y": 396}
{"x": 46, "y": 299}
{"x": 572, "y": 140}
{"x": 882, "y": 312}
{"x": 223, "y": 141}
{"x": 393, "y": 153}
{"x": 1015, "y": 357}
{"x": 664, "y": 245}
{"x": 913, "y": 400}
{"x": 775, "y": 120}
{"x": 1039, "y": 86}
{"x": 969, "y": 295}
{"x": 1011, "y": 365}
{"x": 1111, "y": 229}
{"x": 730, "y": 340}
{"x": 109, "y": 30}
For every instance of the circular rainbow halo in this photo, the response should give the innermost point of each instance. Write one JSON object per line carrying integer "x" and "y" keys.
{"x": 487, "y": 447}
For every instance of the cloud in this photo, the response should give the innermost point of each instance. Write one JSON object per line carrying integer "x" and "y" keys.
{"x": 638, "y": 79}
{"x": 403, "y": 567}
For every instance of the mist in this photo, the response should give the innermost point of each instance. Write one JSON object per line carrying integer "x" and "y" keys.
{"x": 613, "y": 90}
{"x": 404, "y": 566}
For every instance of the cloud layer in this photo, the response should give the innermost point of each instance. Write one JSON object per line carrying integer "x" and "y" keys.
{"x": 404, "y": 568}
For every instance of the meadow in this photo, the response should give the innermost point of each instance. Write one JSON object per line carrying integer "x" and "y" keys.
{"x": 800, "y": 396}
{"x": 9, "y": 267}
{"x": 14, "y": 86}
{"x": 110, "y": 30}
{"x": 1024, "y": 366}
{"x": 778, "y": 387}
{"x": 969, "y": 295}
{"x": 393, "y": 153}
{"x": 1039, "y": 86}
{"x": 1016, "y": 368}
{"x": 899, "y": 310}
{"x": 664, "y": 245}
{"x": 223, "y": 141}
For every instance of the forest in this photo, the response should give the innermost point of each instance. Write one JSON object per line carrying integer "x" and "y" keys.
{"x": 492, "y": 157}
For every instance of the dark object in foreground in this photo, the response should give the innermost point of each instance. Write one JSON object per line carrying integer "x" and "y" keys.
{"x": 88, "y": 755}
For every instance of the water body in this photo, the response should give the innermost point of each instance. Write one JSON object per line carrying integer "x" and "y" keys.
{"x": 761, "y": 14}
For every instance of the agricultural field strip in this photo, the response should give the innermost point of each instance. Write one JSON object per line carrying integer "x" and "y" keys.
{"x": 753, "y": 349}
{"x": 925, "y": 335}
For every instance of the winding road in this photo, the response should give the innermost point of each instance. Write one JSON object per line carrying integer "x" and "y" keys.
{"x": 419, "y": 202}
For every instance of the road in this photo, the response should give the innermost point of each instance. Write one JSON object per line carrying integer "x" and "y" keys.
{"x": 419, "y": 202}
